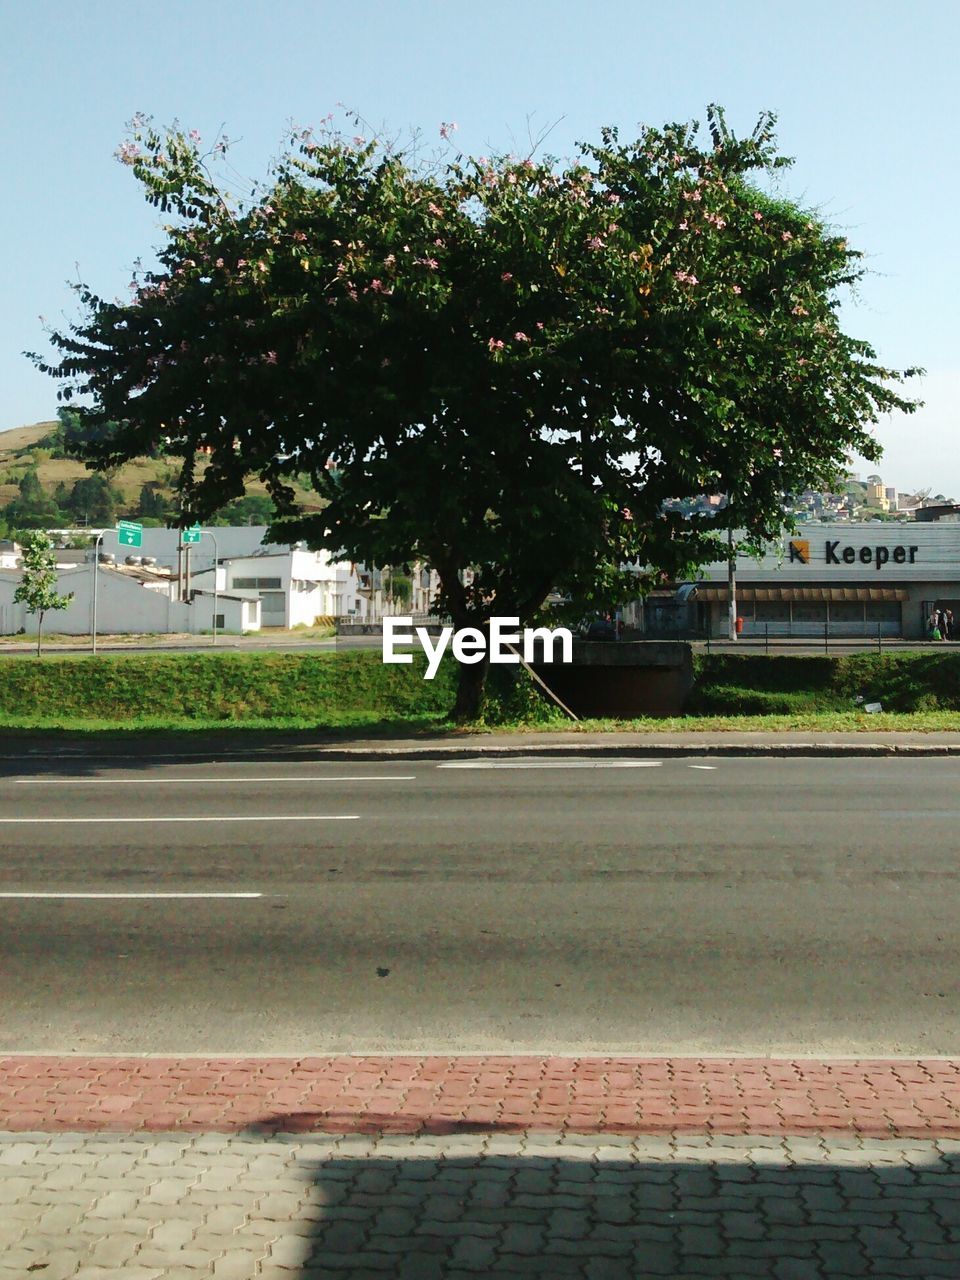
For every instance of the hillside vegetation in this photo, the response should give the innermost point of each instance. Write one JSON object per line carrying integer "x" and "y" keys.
{"x": 31, "y": 451}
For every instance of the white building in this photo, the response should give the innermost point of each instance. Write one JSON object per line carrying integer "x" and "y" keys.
{"x": 128, "y": 603}
{"x": 294, "y": 587}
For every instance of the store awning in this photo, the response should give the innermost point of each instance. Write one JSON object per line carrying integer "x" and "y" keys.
{"x": 822, "y": 594}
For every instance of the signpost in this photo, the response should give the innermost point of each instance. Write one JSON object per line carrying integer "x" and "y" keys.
{"x": 188, "y": 537}
{"x": 129, "y": 534}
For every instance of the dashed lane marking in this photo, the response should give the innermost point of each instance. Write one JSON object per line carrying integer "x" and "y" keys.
{"x": 98, "y": 896}
{"x": 553, "y": 764}
{"x": 220, "y": 782}
{"x": 301, "y": 817}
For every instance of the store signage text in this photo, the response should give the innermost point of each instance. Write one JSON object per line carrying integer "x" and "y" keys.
{"x": 877, "y": 556}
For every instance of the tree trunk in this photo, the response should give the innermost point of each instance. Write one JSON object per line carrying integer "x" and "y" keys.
{"x": 470, "y": 684}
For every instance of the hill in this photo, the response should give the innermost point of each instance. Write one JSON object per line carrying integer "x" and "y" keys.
{"x": 21, "y": 448}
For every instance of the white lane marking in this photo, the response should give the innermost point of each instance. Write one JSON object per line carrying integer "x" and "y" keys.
{"x": 701, "y": 766}
{"x": 301, "y": 817}
{"x": 553, "y": 764}
{"x": 129, "y": 895}
{"x": 153, "y": 782}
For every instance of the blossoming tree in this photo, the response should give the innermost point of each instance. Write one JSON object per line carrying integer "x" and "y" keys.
{"x": 504, "y": 366}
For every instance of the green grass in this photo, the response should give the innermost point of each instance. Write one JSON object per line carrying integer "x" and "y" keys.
{"x": 354, "y": 693}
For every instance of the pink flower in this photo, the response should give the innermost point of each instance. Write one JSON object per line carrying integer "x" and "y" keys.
{"x": 435, "y": 210}
{"x": 686, "y": 277}
{"x": 758, "y": 215}
{"x": 683, "y": 226}
{"x": 194, "y": 135}
{"x": 430, "y": 263}
{"x": 359, "y": 140}
{"x": 241, "y": 262}
{"x": 270, "y": 357}
{"x": 219, "y": 262}
{"x": 786, "y": 235}
{"x": 539, "y": 324}
{"x": 612, "y": 197}
{"x": 798, "y": 310}
{"x": 595, "y": 242}
{"x": 127, "y": 152}
{"x": 300, "y": 236}
{"x": 376, "y": 286}
{"x": 446, "y": 128}
{"x": 439, "y": 243}
{"x": 389, "y": 260}
{"x": 736, "y": 289}
{"x": 507, "y": 275}
{"x": 495, "y": 344}
{"x": 385, "y": 362}
{"x": 520, "y": 336}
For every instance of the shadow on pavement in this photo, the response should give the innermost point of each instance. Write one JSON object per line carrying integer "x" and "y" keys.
{"x": 595, "y": 1213}
{"x": 87, "y": 754}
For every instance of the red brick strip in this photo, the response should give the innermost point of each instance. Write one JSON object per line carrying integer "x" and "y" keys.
{"x": 439, "y": 1095}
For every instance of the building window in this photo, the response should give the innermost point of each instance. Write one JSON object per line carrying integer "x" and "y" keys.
{"x": 809, "y": 611}
{"x": 257, "y": 584}
{"x": 883, "y": 611}
{"x": 773, "y": 611}
{"x": 218, "y": 621}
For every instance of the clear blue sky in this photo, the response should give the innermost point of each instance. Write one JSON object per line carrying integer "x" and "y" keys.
{"x": 865, "y": 91}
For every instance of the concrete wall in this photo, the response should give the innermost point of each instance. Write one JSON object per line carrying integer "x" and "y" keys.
{"x": 622, "y": 679}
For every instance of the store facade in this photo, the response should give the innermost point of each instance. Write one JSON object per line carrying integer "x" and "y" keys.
{"x": 844, "y": 579}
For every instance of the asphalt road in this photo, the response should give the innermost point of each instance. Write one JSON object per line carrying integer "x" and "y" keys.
{"x": 691, "y": 906}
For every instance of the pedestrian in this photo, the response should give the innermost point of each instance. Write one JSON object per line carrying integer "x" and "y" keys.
{"x": 933, "y": 625}
{"x": 947, "y": 627}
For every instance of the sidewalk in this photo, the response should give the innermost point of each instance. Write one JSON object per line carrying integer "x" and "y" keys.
{"x": 259, "y": 744}
{"x": 449, "y": 1168}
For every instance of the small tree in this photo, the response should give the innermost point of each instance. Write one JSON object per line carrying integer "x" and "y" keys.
{"x": 38, "y": 588}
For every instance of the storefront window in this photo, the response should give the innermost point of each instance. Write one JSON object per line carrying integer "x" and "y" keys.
{"x": 883, "y": 611}
{"x": 773, "y": 611}
{"x": 809, "y": 611}
{"x": 846, "y": 611}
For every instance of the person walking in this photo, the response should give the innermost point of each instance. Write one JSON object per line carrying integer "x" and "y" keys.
{"x": 946, "y": 624}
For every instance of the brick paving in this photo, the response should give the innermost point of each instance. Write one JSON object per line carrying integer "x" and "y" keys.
{"x": 401, "y": 1207}
{"x": 439, "y": 1168}
{"x": 342, "y": 1094}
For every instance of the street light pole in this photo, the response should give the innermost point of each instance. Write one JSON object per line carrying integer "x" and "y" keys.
{"x": 96, "y": 566}
{"x": 731, "y": 588}
{"x": 216, "y": 559}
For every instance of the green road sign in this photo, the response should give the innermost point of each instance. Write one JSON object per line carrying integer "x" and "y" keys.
{"x": 129, "y": 534}
{"x": 191, "y": 535}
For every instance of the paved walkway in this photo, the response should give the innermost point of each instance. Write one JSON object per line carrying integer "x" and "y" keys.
{"x": 66, "y": 748}
{"x": 435, "y": 1168}
{"x": 184, "y": 1206}
{"x": 436, "y": 1095}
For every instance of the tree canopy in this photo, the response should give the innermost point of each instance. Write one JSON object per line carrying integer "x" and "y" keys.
{"x": 504, "y": 365}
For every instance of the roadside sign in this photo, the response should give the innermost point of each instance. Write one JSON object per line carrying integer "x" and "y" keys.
{"x": 192, "y": 534}
{"x": 129, "y": 534}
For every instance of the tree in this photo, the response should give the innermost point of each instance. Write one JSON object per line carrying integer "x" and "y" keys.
{"x": 33, "y": 508}
{"x": 93, "y": 499}
{"x": 38, "y": 587}
{"x": 505, "y": 367}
